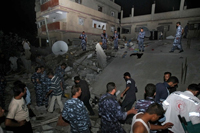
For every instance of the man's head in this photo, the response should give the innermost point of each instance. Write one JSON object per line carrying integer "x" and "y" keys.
{"x": 111, "y": 88}
{"x": 194, "y": 88}
{"x": 104, "y": 31}
{"x": 156, "y": 111}
{"x": 77, "y": 79}
{"x": 38, "y": 70}
{"x": 178, "y": 23}
{"x": 127, "y": 76}
{"x": 50, "y": 74}
{"x": 115, "y": 31}
{"x": 63, "y": 66}
{"x": 167, "y": 75}
{"x": 141, "y": 29}
{"x": 76, "y": 91}
{"x": 19, "y": 90}
{"x": 42, "y": 68}
{"x": 83, "y": 32}
{"x": 172, "y": 81}
{"x": 150, "y": 90}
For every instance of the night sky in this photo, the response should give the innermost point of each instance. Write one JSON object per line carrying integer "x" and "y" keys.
{"x": 18, "y": 16}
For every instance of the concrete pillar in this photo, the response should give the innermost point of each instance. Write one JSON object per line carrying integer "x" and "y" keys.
{"x": 182, "y": 5}
{"x": 132, "y": 11}
{"x": 122, "y": 14}
{"x": 40, "y": 41}
{"x": 153, "y": 10}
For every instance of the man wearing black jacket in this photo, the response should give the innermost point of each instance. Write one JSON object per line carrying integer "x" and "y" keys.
{"x": 85, "y": 95}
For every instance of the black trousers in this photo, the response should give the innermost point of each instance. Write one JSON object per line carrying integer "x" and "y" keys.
{"x": 26, "y": 128}
{"x": 127, "y": 105}
{"x": 88, "y": 106}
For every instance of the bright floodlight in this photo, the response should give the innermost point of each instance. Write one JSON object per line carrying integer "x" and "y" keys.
{"x": 60, "y": 48}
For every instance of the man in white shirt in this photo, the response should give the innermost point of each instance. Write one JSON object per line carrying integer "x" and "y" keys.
{"x": 17, "y": 118}
{"x": 185, "y": 104}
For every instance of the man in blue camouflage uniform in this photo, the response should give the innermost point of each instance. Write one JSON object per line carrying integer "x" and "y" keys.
{"x": 104, "y": 38}
{"x": 60, "y": 72}
{"x": 143, "y": 104}
{"x": 115, "y": 40}
{"x": 44, "y": 84}
{"x": 75, "y": 113}
{"x": 140, "y": 39}
{"x": 36, "y": 80}
{"x": 2, "y": 91}
{"x": 177, "y": 39}
{"x": 83, "y": 38}
{"x": 111, "y": 112}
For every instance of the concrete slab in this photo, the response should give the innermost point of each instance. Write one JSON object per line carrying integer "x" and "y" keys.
{"x": 151, "y": 67}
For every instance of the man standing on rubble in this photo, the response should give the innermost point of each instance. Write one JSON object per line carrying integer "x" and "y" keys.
{"x": 130, "y": 91}
{"x": 56, "y": 90}
{"x": 140, "y": 39}
{"x": 116, "y": 40}
{"x": 85, "y": 95}
{"x": 75, "y": 113}
{"x": 177, "y": 39}
{"x": 83, "y": 38}
{"x": 104, "y": 38}
{"x": 36, "y": 80}
{"x": 60, "y": 72}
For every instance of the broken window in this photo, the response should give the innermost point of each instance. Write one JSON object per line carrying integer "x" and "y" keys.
{"x": 80, "y": 21}
{"x": 126, "y": 30}
{"x": 100, "y": 8}
{"x": 78, "y": 1}
{"x": 112, "y": 28}
{"x": 112, "y": 13}
{"x": 99, "y": 25}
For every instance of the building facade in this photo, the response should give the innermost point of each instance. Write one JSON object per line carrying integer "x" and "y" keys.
{"x": 66, "y": 19}
{"x": 161, "y": 22}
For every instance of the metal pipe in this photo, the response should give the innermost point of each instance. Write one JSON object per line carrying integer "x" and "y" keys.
{"x": 47, "y": 31}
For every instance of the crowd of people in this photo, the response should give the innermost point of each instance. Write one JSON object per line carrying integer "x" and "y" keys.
{"x": 157, "y": 112}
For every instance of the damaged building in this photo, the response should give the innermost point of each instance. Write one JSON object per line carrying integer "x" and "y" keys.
{"x": 165, "y": 22}
{"x": 66, "y": 19}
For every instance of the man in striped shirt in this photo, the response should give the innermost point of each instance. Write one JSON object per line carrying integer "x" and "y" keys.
{"x": 56, "y": 90}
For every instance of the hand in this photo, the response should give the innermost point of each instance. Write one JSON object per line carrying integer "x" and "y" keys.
{"x": 177, "y": 38}
{"x": 21, "y": 123}
{"x": 134, "y": 111}
{"x": 167, "y": 125}
{"x": 122, "y": 95}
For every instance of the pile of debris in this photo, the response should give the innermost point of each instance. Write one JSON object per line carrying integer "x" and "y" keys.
{"x": 87, "y": 64}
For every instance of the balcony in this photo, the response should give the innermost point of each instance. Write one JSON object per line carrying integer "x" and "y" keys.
{"x": 51, "y": 26}
{"x": 49, "y": 4}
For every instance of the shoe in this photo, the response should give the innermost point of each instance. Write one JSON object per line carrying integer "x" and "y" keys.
{"x": 171, "y": 51}
{"x": 180, "y": 51}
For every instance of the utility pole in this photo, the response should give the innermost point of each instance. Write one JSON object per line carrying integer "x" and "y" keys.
{"x": 47, "y": 31}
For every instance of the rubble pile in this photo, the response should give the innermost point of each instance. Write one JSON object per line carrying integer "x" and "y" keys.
{"x": 86, "y": 64}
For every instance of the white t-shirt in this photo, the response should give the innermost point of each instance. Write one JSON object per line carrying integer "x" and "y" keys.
{"x": 181, "y": 103}
{"x": 18, "y": 110}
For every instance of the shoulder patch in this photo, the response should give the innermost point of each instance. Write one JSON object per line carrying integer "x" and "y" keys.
{"x": 128, "y": 82}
